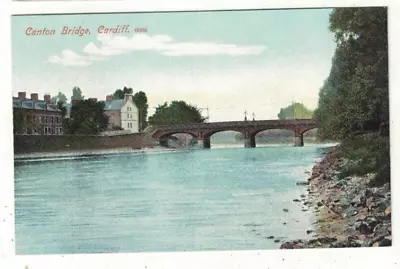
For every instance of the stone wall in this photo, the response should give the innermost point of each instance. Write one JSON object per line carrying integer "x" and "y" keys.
{"x": 60, "y": 143}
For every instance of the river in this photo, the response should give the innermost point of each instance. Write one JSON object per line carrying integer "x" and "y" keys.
{"x": 189, "y": 200}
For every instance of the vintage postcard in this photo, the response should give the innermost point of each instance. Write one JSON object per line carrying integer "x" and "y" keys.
{"x": 201, "y": 131}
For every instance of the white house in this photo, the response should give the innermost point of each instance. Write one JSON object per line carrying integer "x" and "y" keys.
{"x": 122, "y": 113}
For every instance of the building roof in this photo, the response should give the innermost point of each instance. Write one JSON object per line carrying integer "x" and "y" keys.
{"x": 114, "y": 104}
{"x": 34, "y": 104}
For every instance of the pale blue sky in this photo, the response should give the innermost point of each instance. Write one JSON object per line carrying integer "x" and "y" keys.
{"x": 229, "y": 61}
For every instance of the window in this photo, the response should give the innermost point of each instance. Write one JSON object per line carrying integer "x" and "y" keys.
{"x": 128, "y": 108}
{"x": 40, "y": 118}
{"x": 52, "y": 119}
{"x": 45, "y": 119}
{"x": 34, "y": 118}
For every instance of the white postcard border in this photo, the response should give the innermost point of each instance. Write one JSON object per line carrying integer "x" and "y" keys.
{"x": 316, "y": 258}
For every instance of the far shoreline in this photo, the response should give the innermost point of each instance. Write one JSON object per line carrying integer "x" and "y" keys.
{"x": 117, "y": 151}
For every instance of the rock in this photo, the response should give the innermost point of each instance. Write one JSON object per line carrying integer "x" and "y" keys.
{"x": 309, "y": 231}
{"x": 291, "y": 245}
{"x": 361, "y": 217}
{"x": 296, "y": 200}
{"x": 284, "y": 223}
{"x": 366, "y": 226}
{"x": 385, "y": 242}
{"x": 363, "y": 227}
{"x": 306, "y": 203}
{"x": 388, "y": 212}
{"x": 359, "y": 200}
{"x": 320, "y": 203}
{"x": 270, "y": 237}
{"x": 303, "y": 196}
{"x": 302, "y": 183}
{"x": 277, "y": 240}
{"x": 286, "y": 210}
{"x": 382, "y": 230}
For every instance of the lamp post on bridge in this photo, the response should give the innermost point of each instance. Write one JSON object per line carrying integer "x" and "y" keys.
{"x": 254, "y": 116}
{"x": 245, "y": 115}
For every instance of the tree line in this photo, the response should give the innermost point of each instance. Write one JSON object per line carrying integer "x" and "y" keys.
{"x": 87, "y": 115}
{"x": 353, "y": 104}
{"x": 355, "y": 96}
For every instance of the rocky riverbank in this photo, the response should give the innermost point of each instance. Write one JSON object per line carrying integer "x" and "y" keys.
{"x": 349, "y": 212}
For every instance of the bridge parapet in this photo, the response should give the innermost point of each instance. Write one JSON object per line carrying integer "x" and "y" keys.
{"x": 203, "y": 131}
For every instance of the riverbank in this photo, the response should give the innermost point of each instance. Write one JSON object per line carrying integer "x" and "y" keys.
{"x": 349, "y": 212}
{"x": 87, "y": 153}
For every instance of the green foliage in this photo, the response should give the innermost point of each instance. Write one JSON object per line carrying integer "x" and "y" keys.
{"x": 19, "y": 119}
{"x": 87, "y": 117}
{"x": 295, "y": 111}
{"x": 60, "y": 106}
{"x": 367, "y": 154}
{"x": 140, "y": 100}
{"x": 77, "y": 94}
{"x": 178, "y": 112}
{"x": 354, "y": 98}
{"x": 120, "y": 94}
{"x": 60, "y": 97}
{"x": 117, "y": 128}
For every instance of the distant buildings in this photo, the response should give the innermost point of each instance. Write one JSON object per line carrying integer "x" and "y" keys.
{"x": 39, "y": 116}
{"x": 122, "y": 113}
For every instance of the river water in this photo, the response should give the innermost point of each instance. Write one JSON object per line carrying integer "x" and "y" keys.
{"x": 189, "y": 200}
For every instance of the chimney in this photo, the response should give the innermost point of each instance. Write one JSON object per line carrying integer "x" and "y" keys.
{"x": 22, "y": 96}
{"x": 109, "y": 98}
{"x": 34, "y": 96}
{"x": 47, "y": 98}
{"x": 128, "y": 97}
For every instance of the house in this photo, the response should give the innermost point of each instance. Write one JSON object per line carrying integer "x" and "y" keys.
{"x": 41, "y": 117}
{"x": 122, "y": 113}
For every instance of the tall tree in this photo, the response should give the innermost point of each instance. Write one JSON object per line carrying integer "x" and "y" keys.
{"x": 18, "y": 121}
{"x": 60, "y": 97}
{"x": 77, "y": 94}
{"x": 140, "y": 100}
{"x": 178, "y": 112}
{"x": 87, "y": 117}
{"x": 355, "y": 96}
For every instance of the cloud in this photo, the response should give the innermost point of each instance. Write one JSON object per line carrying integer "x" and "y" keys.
{"x": 70, "y": 58}
{"x": 111, "y": 45}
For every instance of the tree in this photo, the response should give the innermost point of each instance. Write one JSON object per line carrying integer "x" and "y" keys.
{"x": 140, "y": 100}
{"x": 18, "y": 121}
{"x": 120, "y": 94}
{"x": 60, "y": 97}
{"x": 178, "y": 112}
{"x": 77, "y": 94}
{"x": 354, "y": 98}
{"x": 295, "y": 111}
{"x": 87, "y": 117}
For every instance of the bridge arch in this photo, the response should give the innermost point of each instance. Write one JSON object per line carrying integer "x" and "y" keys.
{"x": 274, "y": 135}
{"x": 165, "y": 138}
{"x": 230, "y": 136}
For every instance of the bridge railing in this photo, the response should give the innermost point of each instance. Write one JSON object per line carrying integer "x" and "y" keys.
{"x": 233, "y": 124}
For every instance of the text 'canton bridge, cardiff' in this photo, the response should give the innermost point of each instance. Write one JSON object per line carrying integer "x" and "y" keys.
{"x": 202, "y": 132}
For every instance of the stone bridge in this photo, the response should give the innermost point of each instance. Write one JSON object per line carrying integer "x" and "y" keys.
{"x": 202, "y": 132}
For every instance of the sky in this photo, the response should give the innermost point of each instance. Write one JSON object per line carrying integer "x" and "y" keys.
{"x": 229, "y": 62}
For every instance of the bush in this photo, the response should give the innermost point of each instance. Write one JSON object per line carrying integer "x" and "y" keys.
{"x": 367, "y": 154}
